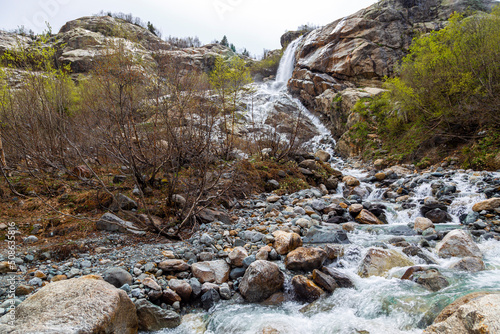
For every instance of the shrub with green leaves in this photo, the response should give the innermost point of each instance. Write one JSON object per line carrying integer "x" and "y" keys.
{"x": 449, "y": 83}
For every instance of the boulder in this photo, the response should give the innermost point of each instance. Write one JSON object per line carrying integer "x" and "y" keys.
{"x": 422, "y": 224}
{"x": 438, "y": 216}
{"x": 112, "y": 223}
{"x": 123, "y": 202}
{"x": 305, "y": 289}
{"x": 489, "y": 204}
{"x": 182, "y": 288}
{"x": 342, "y": 280}
{"x": 470, "y": 264}
{"x": 261, "y": 280}
{"x": 211, "y": 271}
{"x": 173, "y": 265}
{"x": 350, "y": 181}
{"x": 58, "y": 308}
{"x": 322, "y": 155}
{"x": 118, "y": 277}
{"x": 368, "y": 218}
{"x": 378, "y": 262}
{"x": 474, "y": 313}
{"x": 210, "y": 298}
{"x": 325, "y": 281}
{"x": 430, "y": 278}
{"x": 305, "y": 259}
{"x": 169, "y": 296}
{"x": 457, "y": 243}
{"x": 237, "y": 255}
{"x": 285, "y": 242}
{"x": 154, "y": 318}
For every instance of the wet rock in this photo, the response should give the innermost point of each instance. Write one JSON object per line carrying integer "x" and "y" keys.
{"x": 117, "y": 277}
{"x": 209, "y": 299}
{"x": 306, "y": 289}
{"x": 324, "y": 234}
{"x": 340, "y": 278}
{"x": 470, "y": 264}
{"x": 334, "y": 252}
{"x": 422, "y": 224}
{"x": 366, "y": 217}
{"x": 261, "y": 280}
{"x": 305, "y": 259}
{"x": 331, "y": 183}
{"x": 473, "y": 313}
{"x": 457, "y": 243}
{"x": 211, "y": 271}
{"x": 225, "y": 291}
{"x": 350, "y": 181}
{"x": 431, "y": 278}
{"x": 285, "y": 242}
{"x": 57, "y": 308}
{"x": 154, "y": 318}
{"x": 489, "y": 204}
{"x": 325, "y": 281}
{"x": 438, "y": 216}
{"x": 276, "y": 299}
{"x": 378, "y": 262}
{"x": 416, "y": 251}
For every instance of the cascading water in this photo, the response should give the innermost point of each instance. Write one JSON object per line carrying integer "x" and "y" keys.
{"x": 376, "y": 305}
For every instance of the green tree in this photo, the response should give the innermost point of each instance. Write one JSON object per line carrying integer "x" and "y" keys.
{"x": 228, "y": 79}
{"x": 224, "y": 41}
{"x": 449, "y": 83}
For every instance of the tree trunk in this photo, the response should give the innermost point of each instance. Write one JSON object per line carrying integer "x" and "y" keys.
{"x": 2, "y": 153}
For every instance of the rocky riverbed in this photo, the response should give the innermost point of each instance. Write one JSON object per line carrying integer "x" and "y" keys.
{"x": 386, "y": 250}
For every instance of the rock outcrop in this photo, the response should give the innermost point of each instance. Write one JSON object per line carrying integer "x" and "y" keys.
{"x": 81, "y": 43}
{"x": 362, "y": 48}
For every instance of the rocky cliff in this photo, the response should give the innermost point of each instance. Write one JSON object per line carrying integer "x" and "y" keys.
{"x": 83, "y": 41}
{"x": 360, "y": 49}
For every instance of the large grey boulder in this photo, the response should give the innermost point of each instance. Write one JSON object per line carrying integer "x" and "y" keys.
{"x": 118, "y": 277}
{"x": 261, "y": 280}
{"x": 211, "y": 271}
{"x": 378, "y": 262}
{"x": 81, "y": 305}
{"x": 458, "y": 243}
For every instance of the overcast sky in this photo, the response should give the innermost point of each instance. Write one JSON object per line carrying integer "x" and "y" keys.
{"x": 251, "y": 24}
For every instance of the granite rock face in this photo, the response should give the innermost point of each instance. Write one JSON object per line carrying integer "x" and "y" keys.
{"x": 360, "y": 49}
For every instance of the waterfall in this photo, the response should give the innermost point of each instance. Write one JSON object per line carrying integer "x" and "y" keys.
{"x": 287, "y": 63}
